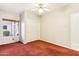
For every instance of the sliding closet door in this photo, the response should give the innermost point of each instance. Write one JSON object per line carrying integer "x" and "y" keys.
{"x": 74, "y": 31}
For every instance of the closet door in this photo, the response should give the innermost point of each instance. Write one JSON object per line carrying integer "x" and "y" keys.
{"x": 74, "y": 31}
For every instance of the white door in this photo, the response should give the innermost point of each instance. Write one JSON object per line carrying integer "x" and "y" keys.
{"x": 74, "y": 31}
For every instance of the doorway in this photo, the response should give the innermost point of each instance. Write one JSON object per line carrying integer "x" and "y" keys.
{"x": 10, "y": 29}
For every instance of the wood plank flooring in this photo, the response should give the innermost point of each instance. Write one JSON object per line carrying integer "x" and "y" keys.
{"x": 35, "y": 48}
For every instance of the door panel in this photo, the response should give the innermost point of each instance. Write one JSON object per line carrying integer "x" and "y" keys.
{"x": 74, "y": 31}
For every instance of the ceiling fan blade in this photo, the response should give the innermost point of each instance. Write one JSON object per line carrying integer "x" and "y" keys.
{"x": 45, "y": 9}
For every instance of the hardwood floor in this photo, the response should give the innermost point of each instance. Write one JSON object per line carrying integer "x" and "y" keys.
{"x": 35, "y": 48}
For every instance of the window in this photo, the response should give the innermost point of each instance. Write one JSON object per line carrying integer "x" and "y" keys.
{"x": 10, "y": 28}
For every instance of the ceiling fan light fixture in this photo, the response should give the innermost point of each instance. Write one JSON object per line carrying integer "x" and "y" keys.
{"x": 40, "y": 8}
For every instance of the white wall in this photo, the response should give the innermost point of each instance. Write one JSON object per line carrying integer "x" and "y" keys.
{"x": 7, "y": 15}
{"x": 31, "y": 30}
{"x": 55, "y": 26}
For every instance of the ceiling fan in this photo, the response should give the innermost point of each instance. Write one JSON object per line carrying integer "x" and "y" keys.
{"x": 41, "y": 8}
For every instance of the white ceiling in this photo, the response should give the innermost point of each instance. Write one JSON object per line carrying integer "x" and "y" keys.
{"x": 20, "y": 7}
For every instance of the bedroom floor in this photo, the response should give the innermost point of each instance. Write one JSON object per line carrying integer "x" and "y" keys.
{"x": 35, "y": 48}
